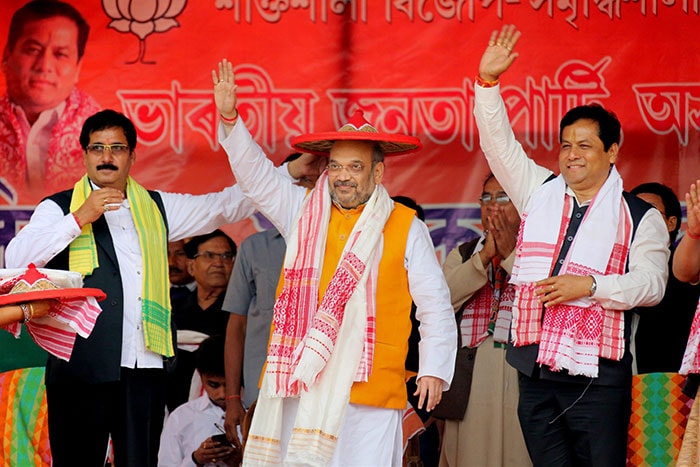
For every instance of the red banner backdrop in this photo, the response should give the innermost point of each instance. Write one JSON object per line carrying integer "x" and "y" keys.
{"x": 305, "y": 65}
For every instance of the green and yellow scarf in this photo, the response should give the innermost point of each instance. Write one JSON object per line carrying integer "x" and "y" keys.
{"x": 153, "y": 240}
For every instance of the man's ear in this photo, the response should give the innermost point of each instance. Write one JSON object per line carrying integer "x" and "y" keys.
{"x": 613, "y": 152}
{"x": 671, "y": 223}
{"x": 378, "y": 172}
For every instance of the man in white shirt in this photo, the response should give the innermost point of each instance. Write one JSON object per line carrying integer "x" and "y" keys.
{"x": 115, "y": 233}
{"x": 587, "y": 253}
{"x": 188, "y": 431}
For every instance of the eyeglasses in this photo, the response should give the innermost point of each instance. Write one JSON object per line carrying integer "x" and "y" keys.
{"x": 117, "y": 149}
{"x": 500, "y": 198}
{"x": 355, "y": 168}
{"x": 211, "y": 256}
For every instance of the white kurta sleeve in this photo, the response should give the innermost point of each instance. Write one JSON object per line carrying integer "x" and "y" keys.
{"x": 190, "y": 215}
{"x": 270, "y": 191}
{"x": 645, "y": 282}
{"x": 515, "y": 171}
{"x": 438, "y": 330}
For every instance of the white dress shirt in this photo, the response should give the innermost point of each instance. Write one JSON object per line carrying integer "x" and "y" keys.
{"x": 49, "y": 232}
{"x": 37, "y": 138}
{"x": 186, "y": 428}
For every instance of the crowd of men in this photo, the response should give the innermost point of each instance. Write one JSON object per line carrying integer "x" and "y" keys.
{"x": 560, "y": 299}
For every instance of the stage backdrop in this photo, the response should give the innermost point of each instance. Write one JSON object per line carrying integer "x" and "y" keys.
{"x": 306, "y": 65}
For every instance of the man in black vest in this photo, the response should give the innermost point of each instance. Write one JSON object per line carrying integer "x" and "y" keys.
{"x": 587, "y": 253}
{"x": 115, "y": 233}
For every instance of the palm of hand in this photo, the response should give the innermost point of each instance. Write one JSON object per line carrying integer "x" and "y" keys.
{"x": 494, "y": 62}
{"x": 225, "y": 97}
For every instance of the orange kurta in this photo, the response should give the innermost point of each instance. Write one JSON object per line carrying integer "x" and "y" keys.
{"x": 386, "y": 386}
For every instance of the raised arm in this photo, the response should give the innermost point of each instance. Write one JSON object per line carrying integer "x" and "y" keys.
{"x": 271, "y": 193}
{"x": 517, "y": 173}
{"x": 686, "y": 260}
{"x": 225, "y": 94}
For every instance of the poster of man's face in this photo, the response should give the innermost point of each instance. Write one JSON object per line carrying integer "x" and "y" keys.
{"x": 43, "y": 64}
{"x": 42, "y": 110}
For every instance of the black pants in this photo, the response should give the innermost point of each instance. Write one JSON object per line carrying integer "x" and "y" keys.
{"x": 82, "y": 417}
{"x": 574, "y": 424}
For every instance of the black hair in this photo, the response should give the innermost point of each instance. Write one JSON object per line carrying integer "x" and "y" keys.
{"x": 209, "y": 357}
{"x": 489, "y": 177}
{"x": 108, "y": 119}
{"x": 608, "y": 124}
{"x": 292, "y": 157}
{"x": 377, "y": 154}
{"x": 672, "y": 205}
{"x": 192, "y": 247}
{"x": 410, "y": 203}
{"x": 43, "y": 9}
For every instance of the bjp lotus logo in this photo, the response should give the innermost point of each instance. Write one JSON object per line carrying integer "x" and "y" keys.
{"x": 143, "y": 18}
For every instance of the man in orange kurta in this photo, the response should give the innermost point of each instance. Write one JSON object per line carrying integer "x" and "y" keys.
{"x": 334, "y": 391}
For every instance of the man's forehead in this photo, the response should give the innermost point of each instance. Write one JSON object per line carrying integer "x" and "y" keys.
{"x": 581, "y": 129}
{"x": 61, "y": 31}
{"x": 176, "y": 246}
{"x": 351, "y": 150}
{"x": 213, "y": 243}
{"x": 114, "y": 134}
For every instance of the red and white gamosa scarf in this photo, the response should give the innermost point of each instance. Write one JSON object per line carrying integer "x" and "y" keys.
{"x": 574, "y": 335}
{"x": 317, "y": 351}
{"x": 489, "y": 309}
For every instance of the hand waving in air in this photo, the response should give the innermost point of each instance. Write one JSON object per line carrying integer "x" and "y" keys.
{"x": 225, "y": 92}
{"x": 499, "y": 55}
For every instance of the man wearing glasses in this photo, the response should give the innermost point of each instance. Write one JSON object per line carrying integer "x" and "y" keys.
{"x": 477, "y": 274}
{"x": 115, "y": 233}
{"x": 198, "y": 314}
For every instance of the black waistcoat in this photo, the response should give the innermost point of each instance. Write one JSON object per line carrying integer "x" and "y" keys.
{"x": 96, "y": 359}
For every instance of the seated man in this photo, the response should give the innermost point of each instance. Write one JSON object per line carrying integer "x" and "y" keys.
{"x": 189, "y": 432}
{"x": 199, "y": 314}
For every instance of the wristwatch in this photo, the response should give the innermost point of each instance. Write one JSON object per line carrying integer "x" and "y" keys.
{"x": 594, "y": 287}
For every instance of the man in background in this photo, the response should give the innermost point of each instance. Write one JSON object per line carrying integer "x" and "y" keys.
{"x": 181, "y": 281}
{"x": 198, "y": 314}
{"x": 189, "y": 435}
{"x": 663, "y": 329}
{"x": 42, "y": 113}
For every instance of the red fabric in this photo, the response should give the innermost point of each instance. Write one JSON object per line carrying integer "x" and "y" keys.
{"x": 305, "y": 66}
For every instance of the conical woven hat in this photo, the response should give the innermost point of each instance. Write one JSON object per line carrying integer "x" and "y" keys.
{"x": 357, "y": 129}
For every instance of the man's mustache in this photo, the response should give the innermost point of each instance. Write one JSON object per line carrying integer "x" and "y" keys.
{"x": 107, "y": 167}
{"x": 348, "y": 183}
{"x": 175, "y": 269}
